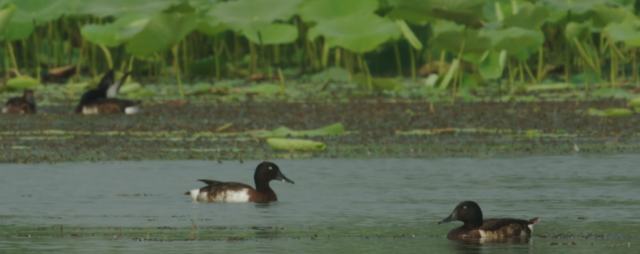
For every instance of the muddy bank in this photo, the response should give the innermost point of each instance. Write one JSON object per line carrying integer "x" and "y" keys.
{"x": 375, "y": 128}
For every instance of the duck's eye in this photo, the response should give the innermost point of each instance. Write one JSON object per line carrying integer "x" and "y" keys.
{"x": 464, "y": 207}
{"x": 270, "y": 168}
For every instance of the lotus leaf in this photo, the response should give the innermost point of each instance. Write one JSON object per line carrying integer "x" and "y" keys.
{"x": 161, "y": 32}
{"x": 611, "y": 112}
{"x": 516, "y": 41}
{"x": 284, "y": 144}
{"x": 451, "y": 39}
{"x": 130, "y": 88}
{"x": 327, "y": 10}
{"x": 210, "y": 25}
{"x": 577, "y": 30}
{"x": 333, "y": 73}
{"x": 39, "y": 10}
{"x": 114, "y": 34}
{"x": 408, "y": 34}
{"x": 492, "y": 66}
{"x": 634, "y": 103}
{"x": 100, "y": 8}
{"x": 529, "y": 16}
{"x": 358, "y": 33}
{"x": 272, "y": 34}
{"x": 624, "y": 32}
{"x": 465, "y": 12}
{"x": 17, "y": 31}
{"x": 253, "y": 14}
{"x": 20, "y": 83}
{"x": 604, "y": 15}
{"x": 6, "y": 13}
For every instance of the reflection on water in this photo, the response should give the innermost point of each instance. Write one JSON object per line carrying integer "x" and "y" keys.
{"x": 363, "y": 206}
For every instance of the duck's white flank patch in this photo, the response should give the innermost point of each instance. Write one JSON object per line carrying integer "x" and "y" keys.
{"x": 4, "y": 109}
{"x": 90, "y": 110}
{"x": 194, "y": 194}
{"x": 132, "y": 110}
{"x": 233, "y": 196}
{"x": 483, "y": 235}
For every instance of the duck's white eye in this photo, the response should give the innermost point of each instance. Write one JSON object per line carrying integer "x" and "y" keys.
{"x": 270, "y": 168}
{"x": 464, "y": 207}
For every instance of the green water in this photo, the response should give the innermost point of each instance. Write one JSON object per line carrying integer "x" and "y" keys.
{"x": 586, "y": 205}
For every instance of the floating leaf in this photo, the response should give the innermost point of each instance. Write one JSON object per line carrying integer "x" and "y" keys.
{"x": 285, "y": 144}
{"x": 22, "y": 83}
{"x": 548, "y": 87}
{"x": 282, "y": 131}
{"x": 634, "y": 103}
{"x": 611, "y": 112}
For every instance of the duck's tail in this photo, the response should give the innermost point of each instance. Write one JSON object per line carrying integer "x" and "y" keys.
{"x": 193, "y": 193}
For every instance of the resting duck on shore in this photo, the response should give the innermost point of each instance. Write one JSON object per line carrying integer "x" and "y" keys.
{"x": 102, "y": 99}
{"x": 21, "y": 105}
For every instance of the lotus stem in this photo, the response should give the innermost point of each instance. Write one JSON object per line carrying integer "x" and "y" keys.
{"x": 614, "y": 64}
{"x": 584, "y": 55}
{"x": 176, "y": 65}
{"x": 441, "y": 65}
{"x": 325, "y": 56}
{"x": 78, "y": 64}
{"x": 130, "y": 68}
{"x": 6, "y": 65}
{"x": 107, "y": 54}
{"x": 540, "y": 64}
{"x": 276, "y": 54}
{"x": 512, "y": 75}
{"x": 282, "y": 81}
{"x": 236, "y": 48}
{"x": 36, "y": 49}
{"x": 455, "y": 77}
{"x": 586, "y": 81}
{"x": 521, "y": 70}
{"x": 412, "y": 58}
{"x": 364, "y": 66}
{"x": 398, "y": 63}
{"x": 597, "y": 58}
{"x": 25, "y": 60}
{"x": 337, "y": 57}
{"x": 185, "y": 60}
{"x": 526, "y": 68}
{"x": 252, "y": 51}
{"x": 13, "y": 58}
{"x": 634, "y": 68}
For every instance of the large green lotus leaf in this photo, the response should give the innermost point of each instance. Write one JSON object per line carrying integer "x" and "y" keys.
{"x": 274, "y": 34}
{"x": 17, "y": 31}
{"x": 604, "y": 15}
{"x": 39, "y": 10}
{"x": 161, "y": 32}
{"x": 102, "y": 8}
{"x": 492, "y": 66}
{"x": 581, "y": 10}
{"x": 515, "y": 40}
{"x": 326, "y": 10}
{"x": 209, "y": 25}
{"x": 114, "y": 34}
{"x": 528, "y": 17}
{"x": 450, "y": 37}
{"x": 624, "y": 32}
{"x": 465, "y": 12}
{"x": 576, "y": 30}
{"x": 358, "y": 33}
{"x": 253, "y": 14}
{"x": 6, "y": 13}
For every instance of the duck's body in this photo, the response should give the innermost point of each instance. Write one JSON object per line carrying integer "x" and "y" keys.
{"x": 21, "y": 105}
{"x": 102, "y": 99}
{"x": 217, "y": 191}
{"x": 475, "y": 227}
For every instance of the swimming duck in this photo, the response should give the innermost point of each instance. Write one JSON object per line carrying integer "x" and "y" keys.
{"x": 475, "y": 227}
{"x": 102, "y": 99}
{"x": 21, "y": 105}
{"x": 217, "y": 191}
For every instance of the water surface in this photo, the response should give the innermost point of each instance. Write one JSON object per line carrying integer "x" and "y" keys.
{"x": 587, "y": 205}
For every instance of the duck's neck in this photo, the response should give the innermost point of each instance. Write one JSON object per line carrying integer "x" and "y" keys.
{"x": 262, "y": 186}
{"x": 472, "y": 224}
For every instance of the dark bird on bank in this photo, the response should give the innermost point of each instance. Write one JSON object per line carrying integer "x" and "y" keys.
{"x": 21, "y": 105}
{"x": 101, "y": 100}
{"x": 475, "y": 227}
{"x": 217, "y": 191}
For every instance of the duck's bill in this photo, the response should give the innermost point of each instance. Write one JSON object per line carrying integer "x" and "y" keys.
{"x": 453, "y": 216}
{"x": 283, "y": 178}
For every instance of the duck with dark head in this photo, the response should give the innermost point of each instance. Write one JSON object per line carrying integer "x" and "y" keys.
{"x": 21, "y": 105}
{"x": 102, "y": 100}
{"x": 475, "y": 227}
{"x": 217, "y": 191}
